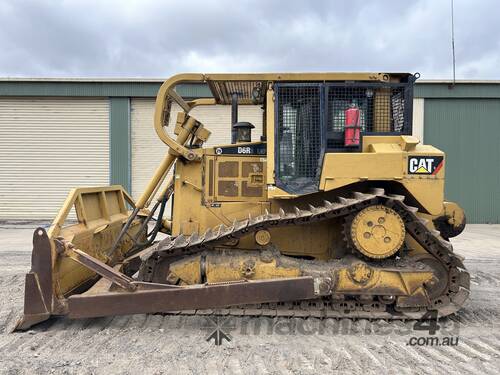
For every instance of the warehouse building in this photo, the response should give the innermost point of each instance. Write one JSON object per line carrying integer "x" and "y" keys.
{"x": 56, "y": 134}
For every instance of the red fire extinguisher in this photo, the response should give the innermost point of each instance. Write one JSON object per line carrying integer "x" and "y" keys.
{"x": 352, "y": 128}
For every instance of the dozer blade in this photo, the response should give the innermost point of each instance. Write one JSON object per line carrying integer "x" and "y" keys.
{"x": 54, "y": 276}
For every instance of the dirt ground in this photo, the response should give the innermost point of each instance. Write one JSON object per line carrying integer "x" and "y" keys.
{"x": 157, "y": 344}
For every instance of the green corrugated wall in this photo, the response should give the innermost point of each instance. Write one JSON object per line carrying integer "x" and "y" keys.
{"x": 120, "y": 142}
{"x": 98, "y": 89}
{"x": 468, "y": 130}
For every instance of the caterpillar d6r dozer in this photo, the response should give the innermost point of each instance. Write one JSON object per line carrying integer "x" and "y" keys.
{"x": 335, "y": 211}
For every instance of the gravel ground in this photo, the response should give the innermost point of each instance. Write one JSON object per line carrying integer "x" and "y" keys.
{"x": 154, "y": 344}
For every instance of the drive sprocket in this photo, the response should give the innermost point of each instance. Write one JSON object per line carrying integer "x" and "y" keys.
{"x": 377, "y": 232}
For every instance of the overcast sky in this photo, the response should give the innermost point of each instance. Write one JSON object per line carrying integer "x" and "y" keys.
{"x": 128, "y": 38}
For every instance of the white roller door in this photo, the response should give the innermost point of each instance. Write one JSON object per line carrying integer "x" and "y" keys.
{"x": 47, "y": 147}
{"x": 418, "y": 118}
{"x": 148, "y": 150}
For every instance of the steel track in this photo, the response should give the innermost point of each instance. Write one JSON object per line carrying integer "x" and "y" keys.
{"x": 447, "y": 303}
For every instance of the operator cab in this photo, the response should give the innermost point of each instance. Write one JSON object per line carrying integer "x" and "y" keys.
{"x": 317, "y": 118}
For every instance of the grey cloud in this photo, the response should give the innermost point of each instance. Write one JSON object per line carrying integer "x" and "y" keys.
{"x": 159, "y": 38}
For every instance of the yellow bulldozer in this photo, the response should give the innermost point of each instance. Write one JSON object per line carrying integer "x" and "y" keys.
{"x": 335, "y": 211}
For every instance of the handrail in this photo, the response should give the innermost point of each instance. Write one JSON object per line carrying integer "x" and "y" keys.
{"x": 167, "y": 91}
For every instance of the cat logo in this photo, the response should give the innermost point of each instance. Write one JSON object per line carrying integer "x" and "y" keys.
{"x": 425, "y": 164}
